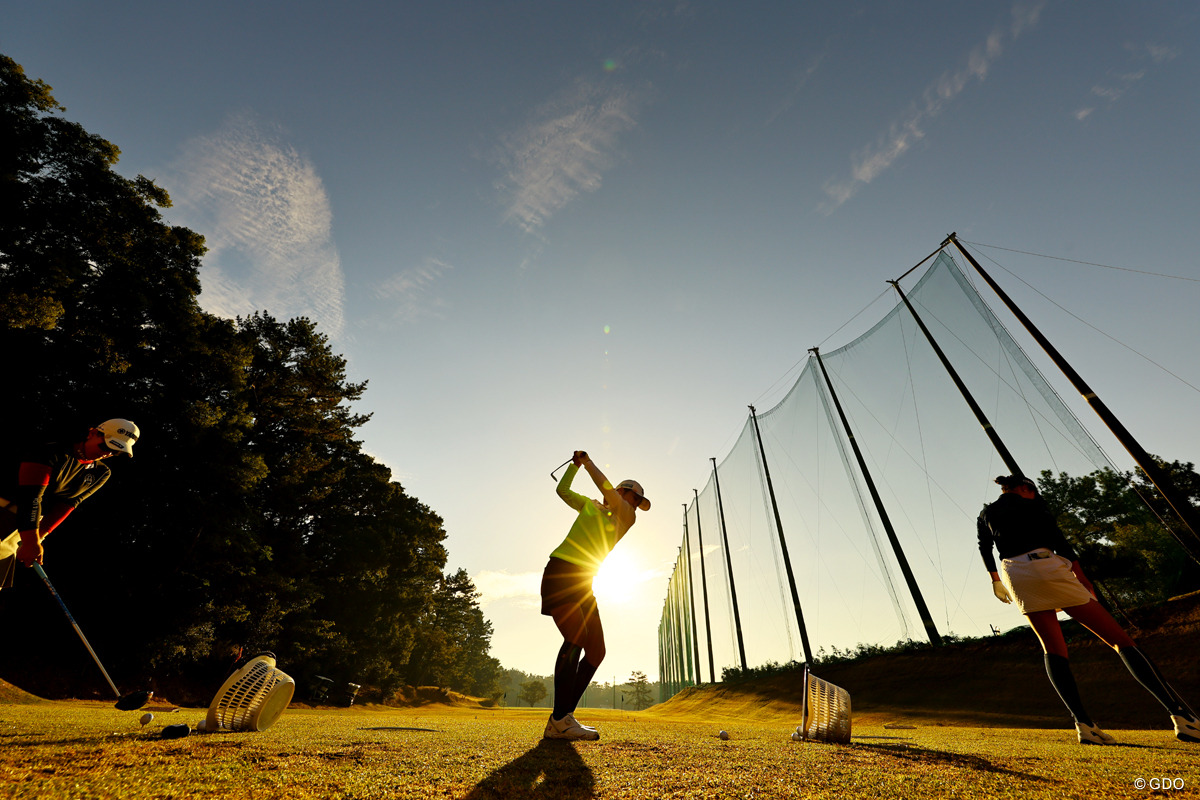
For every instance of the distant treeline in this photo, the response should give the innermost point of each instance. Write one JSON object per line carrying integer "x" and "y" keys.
{"x": 517, "y": 688}
{"x": 251, "y": 518}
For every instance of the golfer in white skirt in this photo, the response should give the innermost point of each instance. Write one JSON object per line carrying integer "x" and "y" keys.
{"x": 1040, "y": 572}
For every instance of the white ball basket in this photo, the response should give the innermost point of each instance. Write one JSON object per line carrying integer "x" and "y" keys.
{"x": 251, "y": 698}
{"x": 825, "y": 713}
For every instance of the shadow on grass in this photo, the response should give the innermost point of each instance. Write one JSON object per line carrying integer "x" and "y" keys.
{"x": 552, "y": 769}
{"x": 921, "y": 755}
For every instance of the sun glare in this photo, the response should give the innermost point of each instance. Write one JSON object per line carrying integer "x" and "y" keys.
{"x": 618, "y": 578}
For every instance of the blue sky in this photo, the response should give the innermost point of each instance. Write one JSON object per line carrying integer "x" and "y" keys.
{"x": 542, "y": 226}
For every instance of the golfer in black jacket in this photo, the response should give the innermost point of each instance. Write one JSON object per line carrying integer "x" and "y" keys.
{"x": 1040, "y": 572}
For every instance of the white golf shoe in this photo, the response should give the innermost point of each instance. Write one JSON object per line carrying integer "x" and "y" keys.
{"x": 568, "y": 728}
{"x": 571, "y": 719}
{"x": 1091, "y": 734}
{"x": 1186, "y": 730}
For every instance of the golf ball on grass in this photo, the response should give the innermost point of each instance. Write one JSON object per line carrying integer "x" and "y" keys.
{"x": 146, "y": 718}
{"x": 723, "y": 735}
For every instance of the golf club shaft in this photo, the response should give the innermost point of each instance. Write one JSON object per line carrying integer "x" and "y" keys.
{"x": 560, "y": 466}
{"x": 42, "y": 574}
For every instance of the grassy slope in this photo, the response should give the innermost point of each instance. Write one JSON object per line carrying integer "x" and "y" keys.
{"x": 11, "y": 695}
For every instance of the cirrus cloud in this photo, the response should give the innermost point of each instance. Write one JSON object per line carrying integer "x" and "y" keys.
{"x": 265, "y": 215}
{"x": 563, "y": 150}
{"x": 874, "y": 159}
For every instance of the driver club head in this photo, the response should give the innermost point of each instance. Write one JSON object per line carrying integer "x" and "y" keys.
{"x": 134, "y": 700}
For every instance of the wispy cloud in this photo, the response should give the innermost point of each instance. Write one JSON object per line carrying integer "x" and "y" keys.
{"x": 563, "y": 150}
{"x": 874, "y": 159}
{"x": 265, "y": 214}
{"x": 1104, "y": 95}
{"x": 799, "y": 81}
{"x": 411, "y": 292}
{"x": 523, "y": 588}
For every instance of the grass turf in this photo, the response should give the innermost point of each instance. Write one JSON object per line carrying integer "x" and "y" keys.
{"x": 84, "y": 750}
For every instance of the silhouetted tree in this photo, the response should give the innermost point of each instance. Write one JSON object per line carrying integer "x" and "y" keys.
{"x": 639, "y": 690}
{"x": 452, "y": 640}
{"x": 533, "y": 691}
{"x": 250, "y": 517}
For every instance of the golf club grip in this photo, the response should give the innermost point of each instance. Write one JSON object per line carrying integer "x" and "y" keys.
{"x": 42, "y": 574}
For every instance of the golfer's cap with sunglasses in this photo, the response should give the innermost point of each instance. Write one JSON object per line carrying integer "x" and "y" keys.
{"x": 636, "y": 488}
{"x": 1013, "y": 481}
{"x": 119, "y": 435}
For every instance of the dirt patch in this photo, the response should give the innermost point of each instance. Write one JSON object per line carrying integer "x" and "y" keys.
{"x": 996, "y": 682}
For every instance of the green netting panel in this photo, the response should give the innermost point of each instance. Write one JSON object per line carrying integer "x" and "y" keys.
{"x": 768, "y": 621}
{"x": 932, "y": 464}
{"x": 931, "y": 460}
{"x": 704, "y": 512}
{"x": 843, "y": 578}
{"x": 677, "y": 625}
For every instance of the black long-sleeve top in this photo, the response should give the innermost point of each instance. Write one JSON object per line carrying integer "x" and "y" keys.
{"x": 49, "y": 473}
{"x": 1015, "y": 525}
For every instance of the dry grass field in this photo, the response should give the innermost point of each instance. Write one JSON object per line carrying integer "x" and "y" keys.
{"x": 51, "y": 750}
{"x": 974, "y": 720}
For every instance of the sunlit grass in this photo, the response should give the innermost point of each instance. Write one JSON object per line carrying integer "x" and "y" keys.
{"x": 60, "y": 750}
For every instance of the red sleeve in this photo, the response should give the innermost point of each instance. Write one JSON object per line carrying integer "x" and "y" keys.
{"x": 32, "y": 473}
{"x": 55, "y": 515}
{"x": 32, "y": 480}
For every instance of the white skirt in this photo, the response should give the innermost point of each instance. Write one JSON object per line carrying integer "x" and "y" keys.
{"x": 1043, "y": 582}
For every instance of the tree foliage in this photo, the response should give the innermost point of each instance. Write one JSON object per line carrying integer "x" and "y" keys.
{"x": 251, "y": 519}
{"x": 639, "y": 691}
{"x": 1126, "y": 535}
{"x": 452, "y": 639}
{"x": 533, "y": 691}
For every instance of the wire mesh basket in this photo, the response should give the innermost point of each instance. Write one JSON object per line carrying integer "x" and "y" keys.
{"x": 252, "y": 698}
{"x": 826, "y": 711}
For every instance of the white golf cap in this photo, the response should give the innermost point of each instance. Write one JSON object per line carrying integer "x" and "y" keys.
{"x": 636, "y": 488}
{"x": 120, "y": 435}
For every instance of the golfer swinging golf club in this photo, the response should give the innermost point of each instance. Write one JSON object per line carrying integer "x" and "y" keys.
{"x": 40, "y": 487}
{"x": 567, "y": 588}
{"x": 1041, "y": 574}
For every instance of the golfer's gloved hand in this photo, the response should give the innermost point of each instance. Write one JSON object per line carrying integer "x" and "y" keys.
{"x": 579, "y": 457}
{"x": 29, "y": 552}
{"x": 1001, "y": 592}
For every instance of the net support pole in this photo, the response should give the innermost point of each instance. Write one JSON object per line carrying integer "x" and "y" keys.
{"x": 668, "y": 654}
{"x": 1179, "y": 503}
{"x": 737, "y": 617}
{"x": 691, "y": 591}
{"x": 673, "y": 633}
{"x": 997, "y": 442}
{"x": 787, "y": 561}
{"x": 662, "y": 673}
{"x": 868, "y": 524}
{"x": 922, "y": 609}
{"x": 712, "y": 673}
{"x": 682, "y": 648}
{"x": 669, "y": 638}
